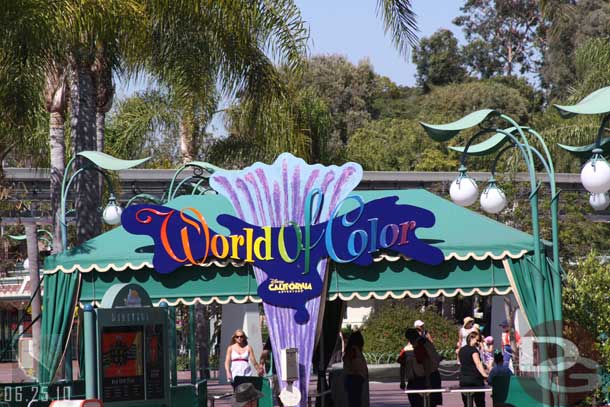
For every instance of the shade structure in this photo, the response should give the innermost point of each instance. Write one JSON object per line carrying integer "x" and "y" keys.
{"x": 460, "y": 233}
{"x": 474, "y": 247}
{"x": 384, "y": 279}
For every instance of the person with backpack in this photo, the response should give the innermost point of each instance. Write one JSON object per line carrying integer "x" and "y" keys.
{"x": 422, "y": 369}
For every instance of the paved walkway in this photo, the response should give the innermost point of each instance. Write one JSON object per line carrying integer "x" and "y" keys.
{"x": 381, "y": 395}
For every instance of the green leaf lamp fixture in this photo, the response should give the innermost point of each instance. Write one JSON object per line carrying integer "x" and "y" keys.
{"x": 595, "y": 174}
{"x": 464, "y": 190}
{"x": 101, "y": 163}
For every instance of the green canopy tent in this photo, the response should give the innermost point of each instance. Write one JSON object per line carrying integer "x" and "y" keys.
{"x": 481, "y": 256}
{"x": 476, "y": 249}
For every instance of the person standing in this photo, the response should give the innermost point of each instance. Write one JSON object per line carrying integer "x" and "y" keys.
{"x": 405, "y": 355}
{"x": 499, "y": 370}
{"x": 472, "y": 371}
{"x": 465, "y": 329}
{"x": 422, "y": 369}
{"x": 355, "y": 369}
{"x": 488, "y": 352}
{"x": 239, "y": 357}
{"x": 419, "y": 325}
{"x": 507, "y": 348}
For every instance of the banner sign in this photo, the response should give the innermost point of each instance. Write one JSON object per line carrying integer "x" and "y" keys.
{"x": 290, "y": 253}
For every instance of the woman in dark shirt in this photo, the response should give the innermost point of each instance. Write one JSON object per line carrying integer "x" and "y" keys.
{"x": 472, "y": 371}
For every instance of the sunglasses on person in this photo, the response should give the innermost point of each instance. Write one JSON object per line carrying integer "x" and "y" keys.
{"x": 238, "y": 336}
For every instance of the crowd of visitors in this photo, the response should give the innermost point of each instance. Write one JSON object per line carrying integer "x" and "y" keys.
{"x": 480, "y": 363}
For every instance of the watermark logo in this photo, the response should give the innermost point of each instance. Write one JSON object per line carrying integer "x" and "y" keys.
{"x": 556, "y": 367}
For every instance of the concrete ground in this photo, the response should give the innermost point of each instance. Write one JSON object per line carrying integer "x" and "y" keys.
{"x": 381, "y": 394}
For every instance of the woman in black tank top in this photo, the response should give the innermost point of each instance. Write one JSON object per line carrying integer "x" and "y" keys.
{"x": 472, "y": 371}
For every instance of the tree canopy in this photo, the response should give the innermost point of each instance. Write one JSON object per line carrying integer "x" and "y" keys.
{"x": 438, "y": 60}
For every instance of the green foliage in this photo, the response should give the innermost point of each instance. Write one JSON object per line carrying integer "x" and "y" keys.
{"x": 145, "y": 125}
{"x": 384, "y": 330}
{"x": 347, "y": 89}
{"x": 399, "y": 20}
{"x": 592, "y": 71}
{"x": 571, "y": 26}
{"x": 455, "y": 101}
{"x": 576, "y": 131}
{"x": 395, "y": 145}
{"x": 301, "y": 124}
{"x": 433, "y": 159}
{"x": 391, "y": 101}
{"x": 438, "y": 61}
{"x": 586, "y": 305}
{"x": 508, "y": 32}
{"x": 480, "y": 60}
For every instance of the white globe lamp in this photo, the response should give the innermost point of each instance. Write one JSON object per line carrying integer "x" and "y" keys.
{"x": 493, "y": 200}
{"x": 595, "y": 175}
{"x": 599, "y": 202}
{"x": 463, "y": 189}
{"x": 112, "y": 212}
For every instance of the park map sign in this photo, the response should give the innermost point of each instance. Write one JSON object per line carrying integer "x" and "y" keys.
{"x": 291, "y": 218}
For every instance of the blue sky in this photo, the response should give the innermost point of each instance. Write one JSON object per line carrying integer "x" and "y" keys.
{"x": 352, "y": 28}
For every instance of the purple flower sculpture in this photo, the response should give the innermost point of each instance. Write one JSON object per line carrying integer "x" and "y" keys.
{"x": 276, "y": 195}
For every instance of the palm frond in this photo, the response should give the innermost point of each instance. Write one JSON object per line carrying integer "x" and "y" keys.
{"x": 399, "y": 20}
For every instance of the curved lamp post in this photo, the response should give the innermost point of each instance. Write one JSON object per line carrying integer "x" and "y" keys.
{"x": 197, "y": 181}
{"x": 493, "y": 200}
{"x": 595, "y": 174}
{"x": 48, "y": 239}
{"x": 101, "y": 163}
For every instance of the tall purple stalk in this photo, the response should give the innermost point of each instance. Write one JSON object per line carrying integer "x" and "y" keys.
{"x": 274, "y": 195}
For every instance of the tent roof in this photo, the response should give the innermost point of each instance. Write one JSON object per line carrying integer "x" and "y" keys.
{"x": 459, "y": 232}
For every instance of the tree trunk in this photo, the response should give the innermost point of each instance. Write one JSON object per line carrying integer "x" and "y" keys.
{"x": 100, "y": 127}
{"x": 55, "y": 94}
{"x": 100, "y": 123}
{"x": 188, "y": 136}
{"x": 104, "y": 95}
{"x": 32, "y": 245}
{"x": 57, "y": 147}
{"x": 83, "y": 102}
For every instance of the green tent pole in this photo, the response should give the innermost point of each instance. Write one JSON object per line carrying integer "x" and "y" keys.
{"x": 172, "y": 347}
{"x": 193, "y": 353}
{"x": 89, "y": 343}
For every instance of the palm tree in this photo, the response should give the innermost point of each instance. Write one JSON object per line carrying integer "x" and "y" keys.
{"x": 225, "y": 48}
{"x": 21, "y": 83}
{"x": 56, "y": 101}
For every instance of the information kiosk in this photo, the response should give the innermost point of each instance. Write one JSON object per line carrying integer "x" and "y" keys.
{"x": 131, "y": 346}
